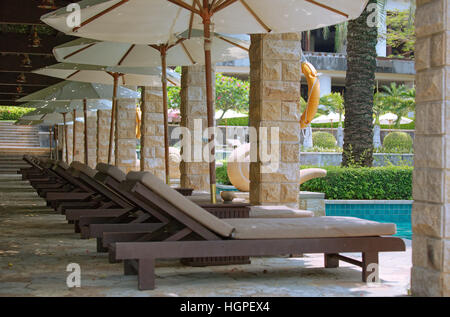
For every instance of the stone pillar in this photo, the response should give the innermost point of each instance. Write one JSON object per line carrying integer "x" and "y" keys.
{"x": 430, "y": 274}
{"x": 194, "y": 174}
{"x": 79, "y": 139}
{"x": 152, "y": 132}
{"x": 92, "y": 138}
{"x": 103, "y": 126}
{"x": 69, "y": 143}
{"x": 275, "y": 75}
{"x": 125, "y": 147}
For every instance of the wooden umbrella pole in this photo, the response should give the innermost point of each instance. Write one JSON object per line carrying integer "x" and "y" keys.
{"x": 86, "y": 155}
{"x": 209, "y": 105}
{"x": 113, "y": 110}
{"x": 166, "y": 119}
{"x": 65, "y": 137}
{"x": 51, "y": 142}
{"x": 74, "y": 135}
{"x": 55, "y": 138}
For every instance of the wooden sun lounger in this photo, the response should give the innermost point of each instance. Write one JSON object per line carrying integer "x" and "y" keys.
{"x": 192, "y": 232}
{"x": 93, "y": 227}
{"x": 110, "y": 203}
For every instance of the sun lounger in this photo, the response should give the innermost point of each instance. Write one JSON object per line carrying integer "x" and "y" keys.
{"x": 193, "y": 232}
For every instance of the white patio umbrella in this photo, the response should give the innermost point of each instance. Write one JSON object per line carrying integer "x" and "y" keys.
{"x": 186, "y": 50}
{"x": 154, "y": 21}
{"x": 71, "y": 90}
{"x": 390, "y": 118}
{"x": 63, "y": 107}
{"x": 329, "y": 118}
{"x": 136, "y": 76}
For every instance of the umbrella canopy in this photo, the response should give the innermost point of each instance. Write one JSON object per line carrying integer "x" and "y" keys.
{"x": 43, "y": 107}
{"x": 34, "y": 118}
{"x": 154, "y": 21}
{"x": 229, "y": 114}
{"x": 188, "y": 52}
{"x": 71, "y": 90}
{"x": 133, "y": 76}
{"x": 390, "y": 118}
{"x": 330, "y": 118}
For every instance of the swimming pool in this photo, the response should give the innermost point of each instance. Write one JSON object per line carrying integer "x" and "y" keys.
{"x": 398, "y": 212}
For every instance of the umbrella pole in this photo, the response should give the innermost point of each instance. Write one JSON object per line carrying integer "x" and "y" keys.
{"x": 86, "y": 156}
{"x": 50, "y": 140}
{"x": 166, "y": 119}
{"x": 65, "y": 137}
{"x": 55, "y": 137}
{"x": 74, "y": 135}
{"x": 209, "y": 105}
{"x": 113, "y": 111}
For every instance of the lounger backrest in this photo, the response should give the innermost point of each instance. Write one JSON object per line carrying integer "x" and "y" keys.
{"x": 80, "y": 167}
{"x": 112, "y": 171}
{"x": 182, "y": 203}
{"x": 63, "y": 165}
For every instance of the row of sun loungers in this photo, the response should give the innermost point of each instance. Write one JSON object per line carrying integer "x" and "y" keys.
{"x": 138, "y": 219}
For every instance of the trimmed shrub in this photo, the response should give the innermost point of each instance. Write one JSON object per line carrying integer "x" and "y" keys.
{"x": 13, "y": 113}
{"x": 324, "y": 140}
{"x": 376, "y": 183}
{"x": 398, "y": 141}
{"x": 222, "y": 175}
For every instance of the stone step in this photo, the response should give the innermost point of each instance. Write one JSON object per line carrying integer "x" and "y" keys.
{"x": 13, "y": 128}
{"x": 19, "y": 141}
{"x": 20, "y": 151}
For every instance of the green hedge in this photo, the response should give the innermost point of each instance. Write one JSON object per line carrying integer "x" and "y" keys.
{"x": 236, "y": 122}
{"x": 13, "y": 113}
{"x": 378, "y": 183}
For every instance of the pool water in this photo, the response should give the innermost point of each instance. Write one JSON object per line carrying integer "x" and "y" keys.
{"x": 400, "y": 214}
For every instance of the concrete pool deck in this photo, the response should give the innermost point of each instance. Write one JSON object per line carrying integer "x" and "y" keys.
{"x": 37, "y": 244}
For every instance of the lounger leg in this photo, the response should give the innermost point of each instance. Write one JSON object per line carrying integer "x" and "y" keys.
{"x": 129, "y": 267}
{"x": 370, "y": 272}
{"x": 77, "y": 226}
{"x": 146, "y": 274}
{"x": 331, "y": 260}
{"x": 100, "y": 247}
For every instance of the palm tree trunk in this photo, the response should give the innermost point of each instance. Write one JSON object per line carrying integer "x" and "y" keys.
{"x": 360, "y": 83}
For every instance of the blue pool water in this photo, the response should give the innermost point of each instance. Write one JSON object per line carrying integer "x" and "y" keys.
{"x": 400, "y": 214}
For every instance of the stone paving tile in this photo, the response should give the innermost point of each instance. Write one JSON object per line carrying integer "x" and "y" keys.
{"x": 37, "y": 244}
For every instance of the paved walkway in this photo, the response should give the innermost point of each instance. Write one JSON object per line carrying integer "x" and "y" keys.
{"x": 37, "y": 244}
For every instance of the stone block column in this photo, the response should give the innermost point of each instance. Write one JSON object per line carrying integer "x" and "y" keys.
{"x": 430, "y": 274}
{"x": 194, "y": 172}
{"x": 103, "y": 127}
{"x": 275, "y": 75}
{"x": 79, "y": 141}
{"x": 152, "y": 132}
{"x": 92, "y": 138}
{"x": 69, "y": 143}
{"x": 125, "y": 147}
